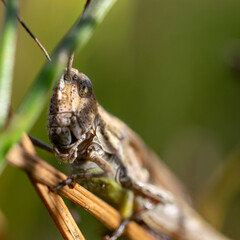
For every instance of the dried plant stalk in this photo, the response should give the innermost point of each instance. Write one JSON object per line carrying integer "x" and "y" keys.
{"x": 44, "y": 173}
{"x": 54, "y": 203}
{"x": 195, "y": 226}
{"x": 58, "y": 211}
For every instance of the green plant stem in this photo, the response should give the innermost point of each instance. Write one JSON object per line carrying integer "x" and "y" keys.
{"x": 33, "y": 103}
{"x": 7, "y": 53}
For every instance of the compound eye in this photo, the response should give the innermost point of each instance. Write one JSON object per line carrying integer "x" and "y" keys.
{"x": 85, "y": 89}
{"x": 75, "y": 77}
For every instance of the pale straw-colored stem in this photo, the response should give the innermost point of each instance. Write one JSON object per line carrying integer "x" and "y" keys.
{"x": 54, "y": 203}
{"x": 41, "y": 172}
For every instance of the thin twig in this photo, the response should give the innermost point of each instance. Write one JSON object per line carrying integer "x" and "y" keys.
{"x": 30, "y": 33}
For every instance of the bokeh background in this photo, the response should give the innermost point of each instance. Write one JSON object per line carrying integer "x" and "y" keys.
{"x": 171, "y": 71}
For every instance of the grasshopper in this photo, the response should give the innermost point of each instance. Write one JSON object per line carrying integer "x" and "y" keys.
{"x": 113, "y": 162}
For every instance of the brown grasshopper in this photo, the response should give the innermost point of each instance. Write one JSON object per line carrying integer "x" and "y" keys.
{"x": 113, "y": 162}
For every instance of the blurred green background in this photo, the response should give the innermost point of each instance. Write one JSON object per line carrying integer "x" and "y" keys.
{"x": 170, "y": 70}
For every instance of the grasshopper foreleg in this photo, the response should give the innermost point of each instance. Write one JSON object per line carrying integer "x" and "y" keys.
{"x": 70, "y": 180}
{"x": 93, "y": 156}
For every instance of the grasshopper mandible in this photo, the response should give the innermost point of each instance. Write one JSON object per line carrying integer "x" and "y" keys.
{"x": 112, "y": 161}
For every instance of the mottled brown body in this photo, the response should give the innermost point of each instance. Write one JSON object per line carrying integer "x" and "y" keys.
{"x": 80, "y": 128}
{"x": 72, "y": 117}
{"x": 84, "y": 134}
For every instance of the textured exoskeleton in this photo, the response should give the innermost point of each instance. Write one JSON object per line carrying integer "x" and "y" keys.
{"x": 113, "y": 162}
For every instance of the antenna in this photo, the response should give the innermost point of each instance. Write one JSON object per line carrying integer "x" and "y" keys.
{"x": 70, "y": 59}
{"x": 69, "y": 64}
{"x": 30, "y": 33}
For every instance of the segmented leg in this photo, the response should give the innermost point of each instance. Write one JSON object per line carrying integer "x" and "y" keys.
{"x": 147, "y": 190}
{"x": 93, "y": 153}
{"x": 70, "y": 180}
{"x": 119, "y": 231}
{"x": 72, "y": 154}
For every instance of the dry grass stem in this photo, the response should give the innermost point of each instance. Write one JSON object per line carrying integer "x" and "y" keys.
{"x": 194, "y": 226}
{"x": 54, "y": 203}
{"x": 58, "y": 211}
{"x": 42, "y": 172}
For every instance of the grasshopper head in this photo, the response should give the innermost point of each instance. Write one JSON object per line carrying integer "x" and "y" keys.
{"x": 72, "y": 110}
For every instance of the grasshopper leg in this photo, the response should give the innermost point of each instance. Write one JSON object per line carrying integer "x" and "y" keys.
{"x": 105, "y": 166}
{"x": 147, "y": 190}
{"x": 119, "y": 231}
{"x": 127, "y": 213}
{"x": 70, "y": 180}
{"x": 93, "y": 156}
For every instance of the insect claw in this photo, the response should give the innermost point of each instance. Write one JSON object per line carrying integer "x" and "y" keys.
{"x": 68, "y": 181}
{"x": 59, "y": 186}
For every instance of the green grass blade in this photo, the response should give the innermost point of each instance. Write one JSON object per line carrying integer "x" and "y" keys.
{"x": 7, "y": 56}
{"x": 7, "y": 53}
{"x": 34, "y": 100}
